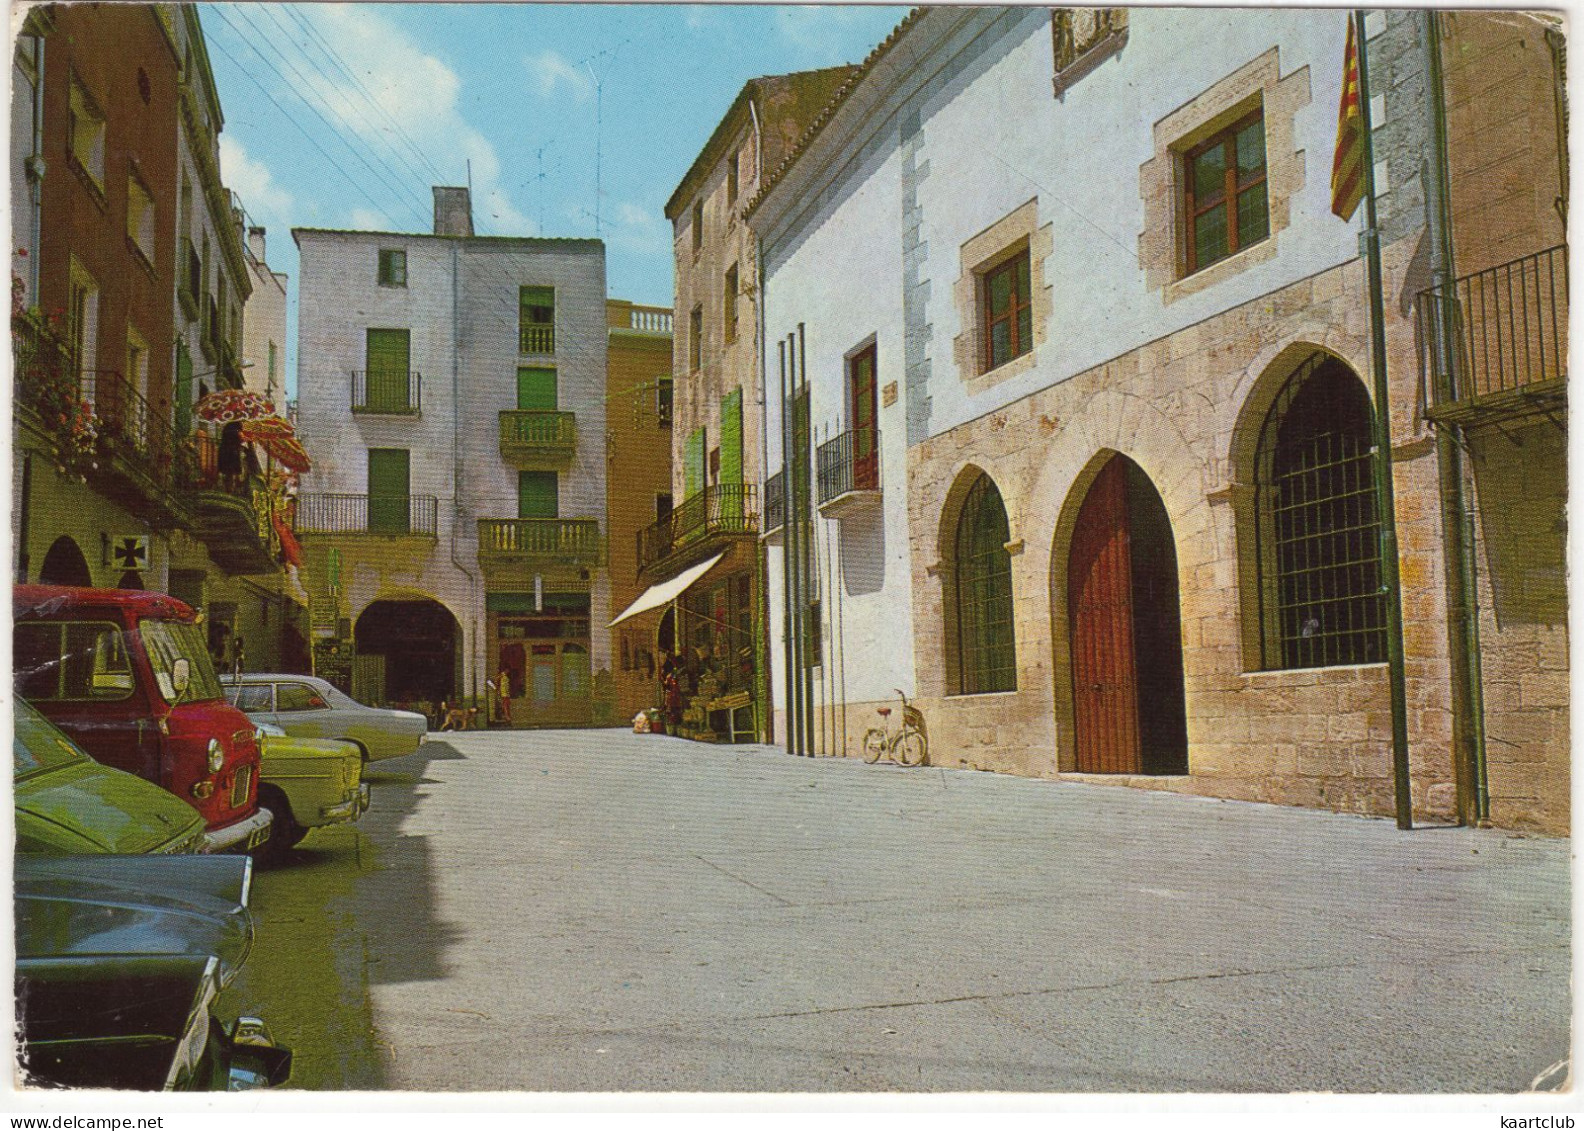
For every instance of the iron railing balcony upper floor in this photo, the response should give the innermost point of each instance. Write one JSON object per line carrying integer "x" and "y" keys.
{"x": 775, "y": 502}
{"x": 848, "y": 471}
{"x": 397, "y": 516}
{"x": 531, "y": 438}
{"x": 704, "y": 520}
{"x": 564, "y": 541}
{"x": 398, "y": 392}
{"x": 1506, "y": 329}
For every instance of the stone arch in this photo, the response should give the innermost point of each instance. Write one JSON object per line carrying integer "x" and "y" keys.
{"x": 419, "y": 642}
{"x": 64, "y": 564}
{"x": 1258, "y": 390}
{"x": 1108, "y": 424}
{"x": 967, "y": 477}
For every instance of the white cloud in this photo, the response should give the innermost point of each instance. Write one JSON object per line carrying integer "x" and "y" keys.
{"x": 264, "y": 200}
{"x": 368, "y": 220}
{"x": 817, "y": 27}
{"x": 631, "y": 227}
{"x": 551, "y": 71}
{"x": 421, "y": 93}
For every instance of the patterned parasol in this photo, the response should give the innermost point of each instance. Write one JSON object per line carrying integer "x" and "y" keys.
{"x": 277, "y": 437}
{"x": 226, "y": 405}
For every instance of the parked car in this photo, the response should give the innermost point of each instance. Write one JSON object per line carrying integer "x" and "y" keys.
{"x": 119, "y": 960}
{"x": 68, "y": 803}
{"x": 126, "y": 674}
{"x": 307, "y": 707}
{"x": 307, "y": 783}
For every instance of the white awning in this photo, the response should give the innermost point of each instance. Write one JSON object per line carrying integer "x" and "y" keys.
{"x": 667, "y": 591}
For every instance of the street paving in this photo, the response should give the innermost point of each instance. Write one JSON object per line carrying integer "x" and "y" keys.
{"x": 602, "y": 911}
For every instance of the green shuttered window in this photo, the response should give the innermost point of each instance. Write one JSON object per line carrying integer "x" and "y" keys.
{"x": 538, "y": 495}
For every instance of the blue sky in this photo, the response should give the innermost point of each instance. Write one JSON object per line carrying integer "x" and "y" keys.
{"x": 344, "y": 115}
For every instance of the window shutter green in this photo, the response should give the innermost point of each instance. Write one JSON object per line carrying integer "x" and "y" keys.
{"x": 387, "y": 353}
{"x": 184, "y": 389}
{"x": 389, "y": 485}
{"x": 537, "y": 494}
{"x": 731, "y": 468}
{"x": 536, "y": 388}
{"x": 693, "y": 464}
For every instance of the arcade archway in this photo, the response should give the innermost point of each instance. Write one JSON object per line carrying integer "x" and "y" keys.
{"x": 407, "y": 651}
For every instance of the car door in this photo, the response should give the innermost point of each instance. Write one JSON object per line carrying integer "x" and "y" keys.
{"x": 257, "y": 702}
{"x": 301, "y": 711}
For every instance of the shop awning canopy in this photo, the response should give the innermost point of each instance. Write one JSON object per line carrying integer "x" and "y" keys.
{"x": 667, "y": 591}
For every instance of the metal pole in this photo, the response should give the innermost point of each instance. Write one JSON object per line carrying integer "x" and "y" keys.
{"x": 1391, "y": 587}
{"x": 786, "y": 552}
{"x": 805, "y": 535}
{"x": 1463, "y": 646}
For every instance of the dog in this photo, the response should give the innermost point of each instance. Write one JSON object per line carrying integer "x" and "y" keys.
{"x": 456, "y": 718}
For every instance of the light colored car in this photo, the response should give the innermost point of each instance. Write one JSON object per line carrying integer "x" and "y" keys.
{"x": 307, "y": 783}
{"x": 305, "y": 706}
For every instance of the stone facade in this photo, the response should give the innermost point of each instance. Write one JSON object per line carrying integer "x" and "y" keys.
{"x": 638, "y": 481}
{"x": 461, "y": 541}
{"x": 1132, "y": 354}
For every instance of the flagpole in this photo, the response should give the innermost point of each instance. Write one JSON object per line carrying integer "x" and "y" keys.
{"x": 1391, "y": 584}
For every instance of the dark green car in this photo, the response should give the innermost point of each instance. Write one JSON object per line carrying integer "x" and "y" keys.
{"x": 68, "y": 803}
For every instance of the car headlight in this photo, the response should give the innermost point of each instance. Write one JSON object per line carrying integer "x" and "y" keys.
{"x": 261, "y": 731}
{"x": 216, "y": 756}
{"x": 195, "y": 1038}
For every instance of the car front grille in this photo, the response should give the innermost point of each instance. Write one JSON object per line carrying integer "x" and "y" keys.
{"x": 240, "y": 786}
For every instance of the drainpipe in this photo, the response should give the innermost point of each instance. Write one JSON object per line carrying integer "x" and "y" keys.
{"x": 788, "y": 644}
{"x": 761, "y": 642}
{"x": 476, "y": 586}
{"x": 1463, "y": 641}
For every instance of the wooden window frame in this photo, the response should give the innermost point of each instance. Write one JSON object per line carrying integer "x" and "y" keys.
{"x": 385, "y": 274}
{"x": 1020, "y": 302}
{"x": 1231, "y": 190}
{"x": 730, "y": 296}
{"x": 696, "y": 339}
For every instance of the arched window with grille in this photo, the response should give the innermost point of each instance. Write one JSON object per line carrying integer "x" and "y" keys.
{"x": 1318, "y": 533}
{"x": 986, "y": 651}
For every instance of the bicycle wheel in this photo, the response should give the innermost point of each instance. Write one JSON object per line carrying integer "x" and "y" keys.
{"x": 874, "y": 744}
{"x": 912, "y": 748}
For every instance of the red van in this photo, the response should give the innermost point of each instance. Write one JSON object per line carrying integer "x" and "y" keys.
{"x": 126, "y": 675}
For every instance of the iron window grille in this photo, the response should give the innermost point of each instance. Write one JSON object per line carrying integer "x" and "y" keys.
{"x": 1318, "y": 533}
{"x": 1225, "y": 199}
{"x": 986, "y": 650}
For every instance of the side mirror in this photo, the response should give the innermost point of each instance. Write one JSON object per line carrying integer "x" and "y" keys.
{"x": 181, "y": 674}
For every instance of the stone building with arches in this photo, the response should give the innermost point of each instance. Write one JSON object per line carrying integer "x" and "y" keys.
{"x": 1073, "y": 277}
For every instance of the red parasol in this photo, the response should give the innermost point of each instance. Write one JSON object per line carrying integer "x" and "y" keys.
{"x": 226, "y": 405}
{"x": 277, "y": 437}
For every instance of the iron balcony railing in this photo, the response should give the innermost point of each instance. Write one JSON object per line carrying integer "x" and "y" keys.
{"x": 728, "y": 509}
{"x": 561, "y": 539}
{"x": 1507, "y": 328}
{"x": 546, "y": 430}
{"x": 775, "y": 502}
{"x": 536, "y": 337}
{"x": 387, "y": 390}
{"x": 367, "y": 514}
{"x": 849, "y": 462}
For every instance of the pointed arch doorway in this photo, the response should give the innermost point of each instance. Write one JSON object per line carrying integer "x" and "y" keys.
{"x": 1125, "y": 625}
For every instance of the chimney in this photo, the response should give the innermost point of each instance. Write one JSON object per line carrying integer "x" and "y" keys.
{"x": 453, "y": 211}
{"x": 256, "y": 243}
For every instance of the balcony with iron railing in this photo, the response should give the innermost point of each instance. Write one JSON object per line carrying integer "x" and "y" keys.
{"x": 705, "y": 521}
{"x": 537, "y": 438}
{"x": 1506, "y": 331}
{"x": 395, "y": 392}
{"x": 389, "y": 516}
{"x": 774, "y": 503}
{"x": 536, "y": 337}
{"x": 539, "y": 541}
{"x": 848, "y": 473}
{"x": 231, "y": 505}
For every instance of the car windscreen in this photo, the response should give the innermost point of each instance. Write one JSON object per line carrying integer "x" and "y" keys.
{"x": 168, "y": 641}
{"x": 36, "y": 745}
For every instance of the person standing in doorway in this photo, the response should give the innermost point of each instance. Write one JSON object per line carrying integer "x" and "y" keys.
{"x": 503, "y": 684}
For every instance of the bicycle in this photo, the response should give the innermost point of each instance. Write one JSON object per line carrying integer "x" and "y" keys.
{"x": 909, "y": 746}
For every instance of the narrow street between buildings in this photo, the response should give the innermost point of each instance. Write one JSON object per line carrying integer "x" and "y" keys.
{"x": 601, "y": 911}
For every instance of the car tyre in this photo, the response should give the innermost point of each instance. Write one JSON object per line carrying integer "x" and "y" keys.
{"x": 284, "y": 832}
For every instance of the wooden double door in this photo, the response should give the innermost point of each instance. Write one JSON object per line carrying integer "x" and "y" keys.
{"x": 1125, "y": 629}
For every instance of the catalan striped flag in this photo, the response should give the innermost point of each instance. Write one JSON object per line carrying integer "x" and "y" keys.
{"x": 1347, "y": 166}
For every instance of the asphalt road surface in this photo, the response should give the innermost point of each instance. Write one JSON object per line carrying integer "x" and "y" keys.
{"x": 601, "y": 911}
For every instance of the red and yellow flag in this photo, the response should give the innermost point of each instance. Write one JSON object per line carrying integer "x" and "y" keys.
{"x": 1347, "y": 166}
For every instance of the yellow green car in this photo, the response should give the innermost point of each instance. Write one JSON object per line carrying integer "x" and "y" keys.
{"x": 68, "y": 803}
{"x": 307, "y": 783}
